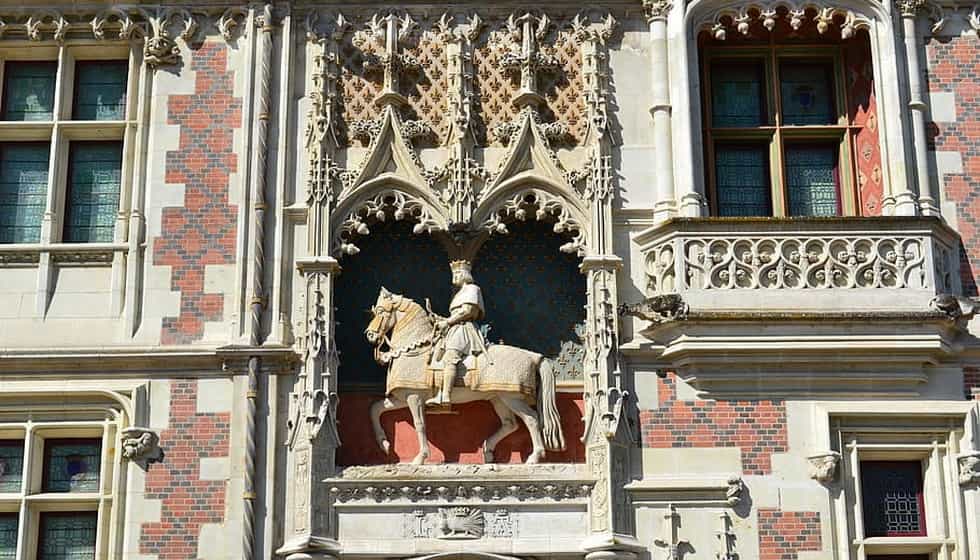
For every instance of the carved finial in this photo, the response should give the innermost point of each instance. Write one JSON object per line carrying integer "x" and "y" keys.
{"x": 524, "y": 57}
{"x": 386, "y": 34}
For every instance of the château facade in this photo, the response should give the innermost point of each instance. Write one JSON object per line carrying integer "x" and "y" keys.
{"x": 719, "y": 261}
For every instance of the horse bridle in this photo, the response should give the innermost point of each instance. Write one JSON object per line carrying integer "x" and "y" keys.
{"x": 402, "y": 304}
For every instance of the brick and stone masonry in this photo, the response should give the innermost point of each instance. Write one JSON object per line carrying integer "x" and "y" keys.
{"x": 784, "y": 534}
{"x": 202, "y": 231}
{"x": 757, "y": 427}
{"x": 187, "y": 502}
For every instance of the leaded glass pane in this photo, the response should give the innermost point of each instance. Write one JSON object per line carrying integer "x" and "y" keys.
{"x": 811, "y": 180}
{"x": 11, "y": 466}
{"x": 737, "y": 94}
{"x": 806, "y": 93}
{"x": 93, "y": 191}
{"x": 8, "y": 536}
{"x": 28, "y": 91}
{"x": 100, "y": 90}
{"x": 742, "y": 180}
{"x": 892, "y": 499}
{"x": 72, "y": 465}
{"x": 67, "y": 536}
{"x": 23, "y": 190}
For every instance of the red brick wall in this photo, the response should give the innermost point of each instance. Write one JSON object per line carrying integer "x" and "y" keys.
{"x": 187, "y": 501}
{"x": 971, "y": 381}
{"x": 757, "y": 427}
{"x": 202, "y": 231}
{"x": 783, "y": 534}
{"x": 954, "y": 65}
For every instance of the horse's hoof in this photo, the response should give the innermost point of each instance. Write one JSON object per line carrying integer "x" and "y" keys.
{"x": 487, "y": 455}
{"x": 419, "y": 459}
{"x": 385, "y": 446}
{"x": 534, "y": 458}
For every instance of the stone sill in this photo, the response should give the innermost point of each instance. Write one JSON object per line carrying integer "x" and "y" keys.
{"x": 63, "y": 254}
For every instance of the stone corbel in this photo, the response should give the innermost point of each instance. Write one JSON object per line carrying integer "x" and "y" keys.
{"x": 969, "y": 468}
{"x": 141, "y": 446}
{"x": 956, "y": 308}
{"x": 657, "y": 309}
{"x": 161, "y": 47}
{"x": 823, "y": 466}
{"x": 736, "y": 491}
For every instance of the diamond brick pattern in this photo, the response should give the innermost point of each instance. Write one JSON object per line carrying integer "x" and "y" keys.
{"x": 202, "y": 231}
{"x": 784, "y": 534}
{"x": 757, "y": 427}
{"x": 188, "y": 502}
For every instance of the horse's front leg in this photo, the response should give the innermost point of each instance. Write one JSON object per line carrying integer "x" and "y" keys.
{"x": 417, "y": 407}
{"x": 377, "y": 409}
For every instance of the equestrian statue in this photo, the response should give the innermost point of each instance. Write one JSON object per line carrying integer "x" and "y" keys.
{"x": 435, "y": 361}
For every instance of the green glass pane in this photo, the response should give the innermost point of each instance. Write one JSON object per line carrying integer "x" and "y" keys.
{"x": 811, "y": 180}
{"x": 806, "y": 93}
{"x": 100, "y": 90}
{"x": 93, "y": 191}
{"x": 742, "y": 180}
{"x": 28, "y": 91}
{"x": 72, "y": 465}
{"x": 11, "y": 466}
{"x": 23, "y": 191}
{"x": 67, "y": 536}
{"x": 737, "y": 98}
{"x": 8, "y": 536}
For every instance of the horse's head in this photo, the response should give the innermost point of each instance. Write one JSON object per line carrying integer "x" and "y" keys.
{"x": 384, "y": 316}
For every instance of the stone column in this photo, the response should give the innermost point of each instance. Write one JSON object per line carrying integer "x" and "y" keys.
{"x": 666, "y": 205}
{"x": 905, "y": 200}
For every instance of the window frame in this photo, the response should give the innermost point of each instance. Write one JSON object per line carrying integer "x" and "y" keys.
{"x": 63, "y": 130}
{"x": 773, "y": 132}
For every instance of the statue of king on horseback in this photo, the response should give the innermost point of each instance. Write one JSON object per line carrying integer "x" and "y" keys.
{"x": 427, "y": 355}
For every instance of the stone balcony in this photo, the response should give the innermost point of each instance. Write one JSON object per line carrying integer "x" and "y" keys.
{"x": 819, "y": 304}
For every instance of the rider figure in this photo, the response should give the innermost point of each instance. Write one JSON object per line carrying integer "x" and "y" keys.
{"x": 461, "y": 335}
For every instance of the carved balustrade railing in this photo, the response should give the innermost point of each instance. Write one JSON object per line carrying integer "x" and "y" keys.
{"x": 837, "y": 264}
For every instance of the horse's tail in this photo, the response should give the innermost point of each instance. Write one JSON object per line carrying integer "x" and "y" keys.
{"x": 554, "y": 439}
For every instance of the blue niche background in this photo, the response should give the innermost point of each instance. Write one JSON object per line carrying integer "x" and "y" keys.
{"x": 392, "y": 256}
{"x": 534, "y": 294}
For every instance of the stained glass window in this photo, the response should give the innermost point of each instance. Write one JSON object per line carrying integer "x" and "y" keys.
{"x": 742, "y": 180}
{"x": 811, "y": 180}
{"x": 806, "y": 93}
{"x": 28, "y": 91}
{"x": 23, "y": 190}
{"x": 72, "y": 465}
{"x": 737, "y": 94}
{"x": 100, "y": 90}
{"x": 8, "y": 536}
{"x": 67, "y": 536}
{"x": 95, "y": 170}
{"x": 892, "y": 499}
{"x": 11, "y": 465}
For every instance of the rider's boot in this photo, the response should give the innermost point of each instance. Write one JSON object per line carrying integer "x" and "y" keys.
{"x": 444, "y": 395}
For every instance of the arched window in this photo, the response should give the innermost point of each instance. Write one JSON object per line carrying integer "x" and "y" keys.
{"x": 413, "y": 265}
{"x": 535, "y": 294}
{"x": 788, "y": 110}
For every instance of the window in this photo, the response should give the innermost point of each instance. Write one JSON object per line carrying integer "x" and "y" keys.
{"x": 62, "y": 128}
{"x": 55, "y": 489}
{"x": 892, "y": 499}
{"x": 778, "y": 136}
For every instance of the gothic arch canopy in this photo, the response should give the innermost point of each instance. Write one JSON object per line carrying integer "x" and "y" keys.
{"x": 390, "y": 199}
{"x": 849, "y": 15}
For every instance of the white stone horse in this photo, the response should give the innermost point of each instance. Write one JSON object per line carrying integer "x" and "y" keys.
{"x": 509, "y": 378}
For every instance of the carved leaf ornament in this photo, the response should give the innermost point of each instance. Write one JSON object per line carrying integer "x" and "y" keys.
{"x": 748, "y": 18}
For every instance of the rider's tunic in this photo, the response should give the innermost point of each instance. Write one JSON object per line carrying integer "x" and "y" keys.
{"x": 463, "y": 337}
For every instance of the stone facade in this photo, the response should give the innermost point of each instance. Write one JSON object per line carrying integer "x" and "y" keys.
{"x": 717, "y": 396}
